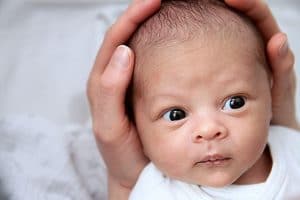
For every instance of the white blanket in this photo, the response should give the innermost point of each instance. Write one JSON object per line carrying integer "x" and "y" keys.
{"x": 41, "y": 160}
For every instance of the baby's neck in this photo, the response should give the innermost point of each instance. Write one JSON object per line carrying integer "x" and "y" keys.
{"x": 259, "y": 172}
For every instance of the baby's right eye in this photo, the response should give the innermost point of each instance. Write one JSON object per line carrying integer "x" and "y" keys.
{"x": 174, "y": 115}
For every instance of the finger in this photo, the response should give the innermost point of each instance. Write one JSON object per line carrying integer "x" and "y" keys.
{"x": 260, "y": 13}
{"x": 282, "y": 61}
{"x": 107, "y": 93}
{"x": 121, "y": 31}
{"x": 280, "y": 56}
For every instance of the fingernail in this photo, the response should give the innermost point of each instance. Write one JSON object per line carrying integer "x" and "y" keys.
{"x": 283, "y": 50}
{"x": 120, "y": 57}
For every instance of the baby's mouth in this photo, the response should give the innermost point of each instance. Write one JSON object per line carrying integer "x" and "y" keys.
{"x": 214, "y": 160}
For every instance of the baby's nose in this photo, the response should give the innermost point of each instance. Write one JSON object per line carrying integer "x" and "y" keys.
{"x": 209, "y": 130}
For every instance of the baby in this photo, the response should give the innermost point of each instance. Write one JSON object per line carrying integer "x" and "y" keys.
{"x": 201, "y": 101}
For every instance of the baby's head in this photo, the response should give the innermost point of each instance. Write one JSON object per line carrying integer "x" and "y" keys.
{"x": 201, "y": 93}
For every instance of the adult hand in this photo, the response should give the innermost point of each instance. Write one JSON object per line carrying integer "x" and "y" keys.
{"x": 281, "y": 60}
{"x": 115, "y": 135}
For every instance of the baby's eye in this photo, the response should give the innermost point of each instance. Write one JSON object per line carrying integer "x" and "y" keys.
{"x": 235, "y": 102}
{"x": 174, "y": 115}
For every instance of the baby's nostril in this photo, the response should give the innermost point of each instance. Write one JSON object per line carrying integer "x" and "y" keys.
{"x": 199, "y": 137}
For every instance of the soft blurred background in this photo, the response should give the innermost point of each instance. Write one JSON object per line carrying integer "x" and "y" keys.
{"x": 47, "y": 48}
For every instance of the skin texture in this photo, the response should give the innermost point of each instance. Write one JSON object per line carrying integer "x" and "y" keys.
{"x": 110, "y": 77}
{"x": 198, "y": 77}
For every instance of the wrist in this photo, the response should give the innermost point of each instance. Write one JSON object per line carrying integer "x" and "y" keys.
{"x": 117, "y": 190}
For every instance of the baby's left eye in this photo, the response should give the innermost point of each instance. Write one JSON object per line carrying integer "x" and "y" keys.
{"x": 235, "y": 102}
{"x": 174, "y": 115}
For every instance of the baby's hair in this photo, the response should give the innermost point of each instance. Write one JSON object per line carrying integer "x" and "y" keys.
{"x": 186, "y": 19}
{"x": 183, "y": 20}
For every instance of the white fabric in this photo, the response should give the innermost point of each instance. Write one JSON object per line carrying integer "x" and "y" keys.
{"x": 43, "y": 161}
{"x": 281, "y": 184}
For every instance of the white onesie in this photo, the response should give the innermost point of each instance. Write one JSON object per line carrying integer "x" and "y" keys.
{"x": 282, "y": 183}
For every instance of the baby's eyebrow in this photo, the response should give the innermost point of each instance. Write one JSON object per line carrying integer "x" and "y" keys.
{"x": 162, "y": 101}
{"x": 165, "y": 98}
{"x": 165, "y": 95}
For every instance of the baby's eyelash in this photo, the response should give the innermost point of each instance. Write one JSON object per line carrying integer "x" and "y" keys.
{"x": 167, "y": 109}
{"x": 235, "y": 103}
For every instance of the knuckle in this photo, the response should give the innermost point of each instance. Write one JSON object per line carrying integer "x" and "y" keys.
{"x": 289, "y": 64}
{"x": 108, "y": 87}
{"x": 98, "y": 133}
{"x": 91, "y": 84}
{"x": 104, "y": 135}
{"x": 110, "y": 32}
{"x": 107, "y": 132}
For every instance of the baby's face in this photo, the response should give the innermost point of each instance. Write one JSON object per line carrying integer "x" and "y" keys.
{"x": 203, "y": 110}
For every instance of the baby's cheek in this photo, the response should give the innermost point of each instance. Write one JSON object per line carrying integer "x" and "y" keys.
{"x": 170, "y": 169}
{"x": 169, "y": 161}
{"x": 175, "y": 171}
{"x": 167, "y": 150}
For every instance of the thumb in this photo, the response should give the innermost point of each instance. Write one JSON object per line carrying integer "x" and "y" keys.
{"x": 282, "y": 61}
{"x": 280, "y": 57}
{"x": 109, "y": 106}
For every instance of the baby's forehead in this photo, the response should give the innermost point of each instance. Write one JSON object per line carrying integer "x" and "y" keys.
{"x": 207, "y": 49}
{"x": 182, "y": 65}
{"x": 216, "y": 44}
{"x": 180, "y": 21}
